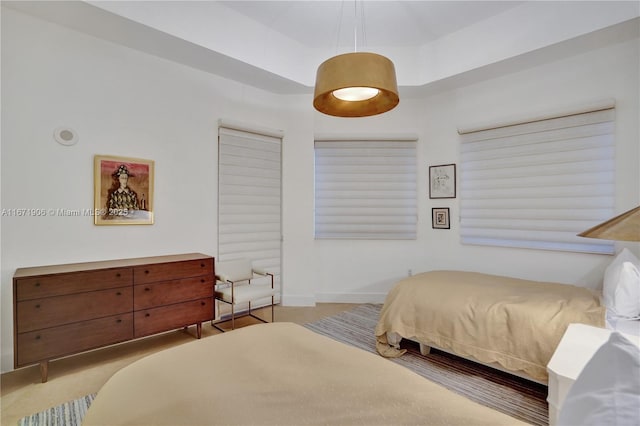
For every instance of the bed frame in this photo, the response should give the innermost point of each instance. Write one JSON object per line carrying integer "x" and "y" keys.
{"x": 425, "y": 350}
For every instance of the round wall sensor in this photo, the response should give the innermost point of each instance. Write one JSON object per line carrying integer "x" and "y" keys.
{"x": 65, "y": 136}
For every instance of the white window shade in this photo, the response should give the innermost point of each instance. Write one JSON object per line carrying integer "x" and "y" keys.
{"x": 538, "y": 183}
{"x": 249, "y": 197}
{"x": 365, "y": 189}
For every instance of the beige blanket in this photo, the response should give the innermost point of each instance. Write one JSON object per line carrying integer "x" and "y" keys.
{"x": 514, "y": 323}
{"x": 278, "y": 374}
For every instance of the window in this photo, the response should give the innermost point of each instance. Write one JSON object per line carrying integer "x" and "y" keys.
{"x": 536, "y": 184}
{"x": 365, "y": 188}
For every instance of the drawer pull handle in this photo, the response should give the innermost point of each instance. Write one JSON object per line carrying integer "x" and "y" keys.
{"x": 202, "y": 265}
{"x": 147, "y": 289}
{"x": 38, "y": 306}
{"x": 37, "y": 284}
{"x": 202, "y": 280}
{"x": 118, "y": 294}
{"x": 118, "y": 275}
{"x": 146, "y": 271}
{"x": 202, "y": 303}
{"x": 118, "y": 320}
{"x": 147, "y": 314}
{"x": 38, "y": 337}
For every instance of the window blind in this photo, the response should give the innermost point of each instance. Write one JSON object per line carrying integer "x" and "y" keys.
{"x": 538, "y": 183}
{"x": 365, "y": 189}
{"x": 249, "y": 197}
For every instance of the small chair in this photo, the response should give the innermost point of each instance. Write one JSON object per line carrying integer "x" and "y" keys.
{"x": 233, "y": 286}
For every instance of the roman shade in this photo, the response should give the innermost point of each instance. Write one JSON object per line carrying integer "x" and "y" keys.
{"x": 536, "y": 183}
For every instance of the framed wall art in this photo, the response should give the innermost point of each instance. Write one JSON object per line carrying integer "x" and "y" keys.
{"x": 440, "y": 218}
{"x": 123, "y": 191}
{"x": 442, "y": 181}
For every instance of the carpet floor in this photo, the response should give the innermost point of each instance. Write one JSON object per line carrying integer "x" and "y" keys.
{"x": 503, "y": 392}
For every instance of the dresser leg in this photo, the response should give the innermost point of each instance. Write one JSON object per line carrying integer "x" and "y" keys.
{"x": 44, "y": 371}
{"x": 199, "y": 330}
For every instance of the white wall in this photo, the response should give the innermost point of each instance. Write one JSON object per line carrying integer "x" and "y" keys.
{"x": 123, "y": 102}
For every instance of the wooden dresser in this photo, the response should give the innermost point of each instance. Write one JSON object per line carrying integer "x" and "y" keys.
{"x": 61, "y": 310}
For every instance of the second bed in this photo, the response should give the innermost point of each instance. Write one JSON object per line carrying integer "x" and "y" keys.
{"x": 508, "y": 323}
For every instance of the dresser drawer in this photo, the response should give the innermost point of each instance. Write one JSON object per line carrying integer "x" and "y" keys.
{"x": 169, "y": 292}
{"x": 68, "y": 339}
{"x": 57, "y": 285}
{"x": 170, "y": 271}
{"x": 53, "y": 311}
{"x": 174, "y": 316}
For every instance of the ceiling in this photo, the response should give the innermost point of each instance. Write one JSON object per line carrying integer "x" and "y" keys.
{"x": 278, "y": 45}
{"x": 319, "y": 24}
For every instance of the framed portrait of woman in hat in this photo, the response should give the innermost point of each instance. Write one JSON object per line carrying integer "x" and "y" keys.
{"x": 123, "y": 191}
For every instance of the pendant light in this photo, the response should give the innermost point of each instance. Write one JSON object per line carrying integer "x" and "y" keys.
{"x": 357, "y": 84}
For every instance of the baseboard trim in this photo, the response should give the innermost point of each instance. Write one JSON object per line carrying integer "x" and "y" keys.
{"x": 350, "y": 297}
{"x": 298, "y": 300}
{"x": 306, "y": 300}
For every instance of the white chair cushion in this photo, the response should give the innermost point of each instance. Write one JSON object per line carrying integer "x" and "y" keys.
{"x": 245, "y": 293}
{"x": 234, "y": 270}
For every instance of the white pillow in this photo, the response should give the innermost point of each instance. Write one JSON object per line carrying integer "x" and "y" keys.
{"x": 607, "y": 391}
{"x": 621, "y": 286}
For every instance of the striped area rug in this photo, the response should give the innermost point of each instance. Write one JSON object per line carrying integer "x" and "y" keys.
{"x": 68, "y": 414}
{"x": 516, "y": 397}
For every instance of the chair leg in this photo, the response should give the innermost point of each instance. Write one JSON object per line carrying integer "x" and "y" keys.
{"x": 233, "y": 318}
{"x": 272, "y": 298}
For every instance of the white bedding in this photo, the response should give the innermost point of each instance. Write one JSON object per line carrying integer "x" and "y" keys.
{"x": 623, "y": 325}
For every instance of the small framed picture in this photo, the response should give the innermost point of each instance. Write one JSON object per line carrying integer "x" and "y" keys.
{"x": 440, "y": 218}
{"x": 123, "y": 191}
{"x": 442, "y": 181}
